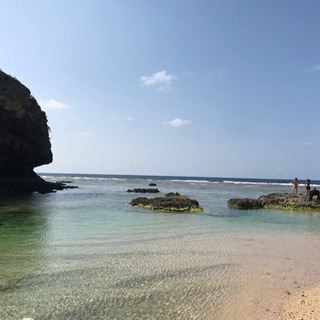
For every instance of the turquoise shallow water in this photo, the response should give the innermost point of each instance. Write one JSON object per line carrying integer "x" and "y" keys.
{"x": 87, "y": 254}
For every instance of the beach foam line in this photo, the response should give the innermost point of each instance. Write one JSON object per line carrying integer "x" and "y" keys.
{"x": 190, "y": 181}
{"x": 81, "y": 178}
{"x": 258, "y": 183}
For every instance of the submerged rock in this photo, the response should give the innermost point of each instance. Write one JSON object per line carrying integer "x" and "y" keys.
{"x": 278, "y": 201}
{"x": 24, "y": 139}
{"x": 171, "y": 202}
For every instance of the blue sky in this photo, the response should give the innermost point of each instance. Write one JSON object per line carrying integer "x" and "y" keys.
{"x": 223, "y": 88}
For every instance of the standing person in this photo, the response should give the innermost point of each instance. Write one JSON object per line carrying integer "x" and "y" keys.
{"x": 295, "y": 186}
{"x": 307, "y": 184}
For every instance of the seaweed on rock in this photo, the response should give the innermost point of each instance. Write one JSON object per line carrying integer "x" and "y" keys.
{"x": 171, "y": 202}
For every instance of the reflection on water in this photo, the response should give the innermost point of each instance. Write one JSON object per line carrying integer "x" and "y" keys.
{"x": 23, "y": 239}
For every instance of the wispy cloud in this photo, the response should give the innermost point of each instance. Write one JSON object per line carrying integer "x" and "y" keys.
{"x": 160, "y": 79}
{"x": 84, "y": 134}
{"x": 316, "y": 68}
{"x": 177, "y": 122}
{"x": 306, "y": 144}
{"x": 130, "y": 119}
{"x": 52, "y": 104}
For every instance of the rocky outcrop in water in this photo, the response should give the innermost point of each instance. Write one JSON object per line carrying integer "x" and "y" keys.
{"x": 24, "y": 139}
{"x": 171, "y": 202}
{"x": 143, "y": 190}
{"x": 278, "y": 201}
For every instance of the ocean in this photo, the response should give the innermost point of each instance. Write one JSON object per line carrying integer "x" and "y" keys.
{"x": 85, "y": 253}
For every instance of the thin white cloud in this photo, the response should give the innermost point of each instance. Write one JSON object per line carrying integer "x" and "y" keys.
{"x": 52, "y": 104}
{"x": 130, "y": 119}
{"x": 315, "y": 68}
{"x": 160, "y": 79}
{"x": 84, "y": 134}
{"x": 177, "y": 122}
{"x": 306, "y": 144}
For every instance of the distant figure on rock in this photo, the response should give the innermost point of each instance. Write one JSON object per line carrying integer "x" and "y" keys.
{"x": 307, "y": 184}
{"x": 313, "y": 193}
{"x": 295, "y": 186}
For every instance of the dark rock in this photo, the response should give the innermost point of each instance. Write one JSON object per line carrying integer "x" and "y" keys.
{"x": 24, "y": 134}
{"x": 152, "y": 184}
{"x": 169, "y": 202}
{"x": 278, "y": 201}
{"x": 173, "y": 194}
{"x": 143, "y": 190}
{"x": 24, "y": 139}
{"x": 27, "y": 183}
{"x": 245, "y": 203}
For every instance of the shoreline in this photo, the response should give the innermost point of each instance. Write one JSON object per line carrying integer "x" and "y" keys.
{"x": 191, "y": 266}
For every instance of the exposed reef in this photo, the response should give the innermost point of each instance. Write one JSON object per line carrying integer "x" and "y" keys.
{"x": 24, "y": 139}
{"x": 143, "y": 190}
{"x": 277, "y": 201}
{"x": 28, "y": 183}
{"x": 171, "y": 202}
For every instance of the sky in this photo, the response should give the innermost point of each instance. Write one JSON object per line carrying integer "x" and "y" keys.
{"x": 220, "y": 88}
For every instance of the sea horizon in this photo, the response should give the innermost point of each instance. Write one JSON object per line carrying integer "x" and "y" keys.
{"x": 284, "y": 181}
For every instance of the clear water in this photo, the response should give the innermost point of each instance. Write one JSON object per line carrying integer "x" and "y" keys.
{"x": 87, "y": 254}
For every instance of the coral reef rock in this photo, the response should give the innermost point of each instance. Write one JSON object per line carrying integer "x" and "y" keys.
{"x": 277, "y": 201}
{"x": 171, "y": 202}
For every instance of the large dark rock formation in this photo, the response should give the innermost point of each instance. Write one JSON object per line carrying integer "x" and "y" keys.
{"x": 277, "y": 201}
{"x": 24, "y": 139}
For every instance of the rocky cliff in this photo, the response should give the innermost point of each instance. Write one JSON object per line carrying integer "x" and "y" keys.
{"x": 24, "y": 138}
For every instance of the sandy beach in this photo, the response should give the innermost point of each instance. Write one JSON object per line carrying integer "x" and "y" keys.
{"x": 269, "y": 303}
{"x": 285, "y": 288}
{"x": 303, "y": 306}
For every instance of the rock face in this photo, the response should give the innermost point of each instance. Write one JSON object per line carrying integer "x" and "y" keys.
{"x": 278, "y": 201}
{"x": 171, "y": 202}
{"x": 24, "y": 138}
